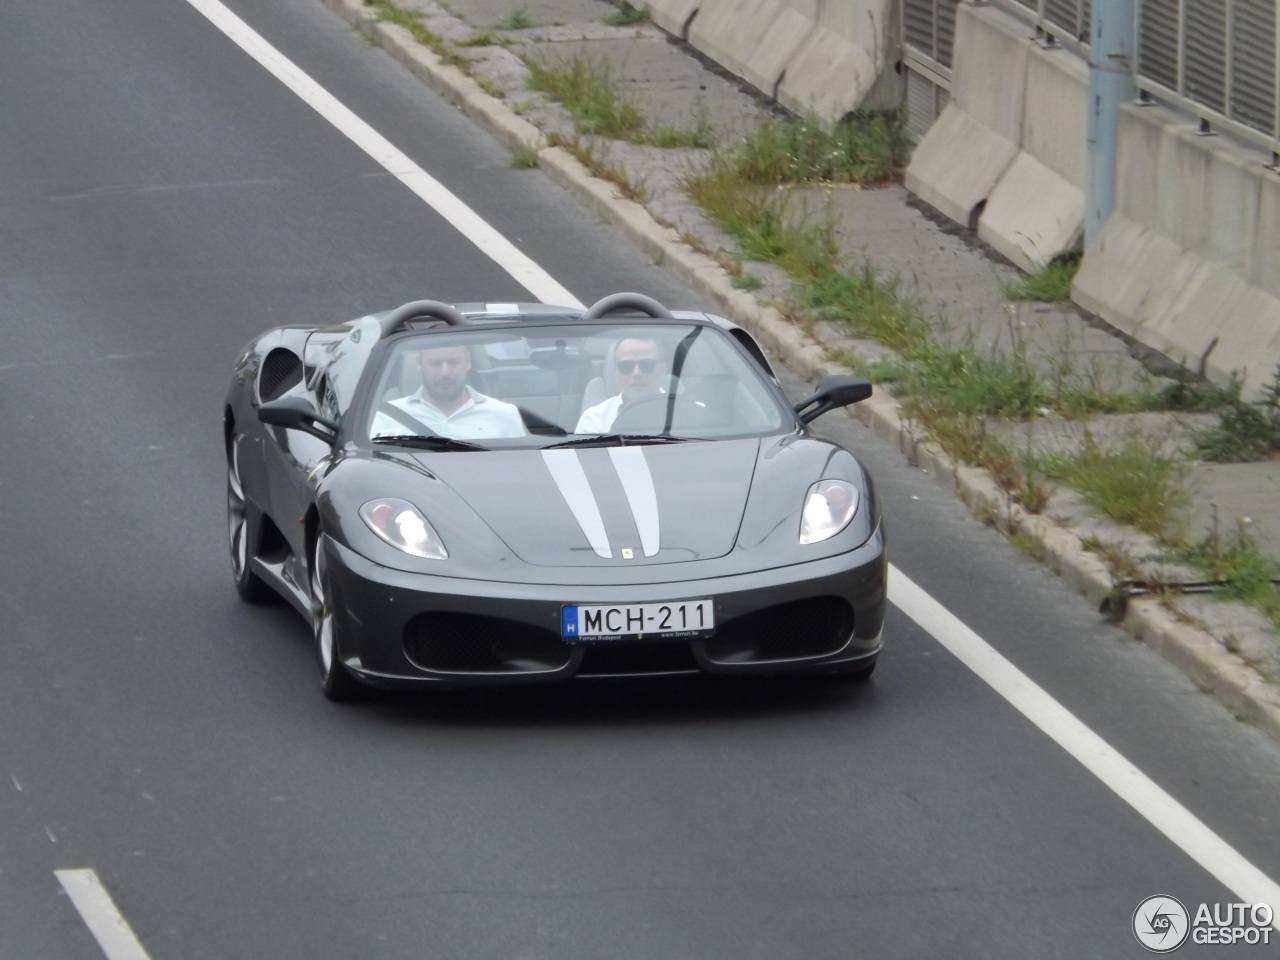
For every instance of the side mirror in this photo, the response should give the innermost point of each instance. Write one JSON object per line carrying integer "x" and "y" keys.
{"x": 834, "y": 391}
{"x": 295, "y": 413}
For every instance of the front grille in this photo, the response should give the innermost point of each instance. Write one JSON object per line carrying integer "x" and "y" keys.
{"x": 613, "y": 660}
{"x": 466, "y": 643}
{"x": 790, "y": 631}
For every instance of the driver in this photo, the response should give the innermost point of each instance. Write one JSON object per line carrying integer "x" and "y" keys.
{"x": 447, "y": 405}
{"x": 638, "y": 371}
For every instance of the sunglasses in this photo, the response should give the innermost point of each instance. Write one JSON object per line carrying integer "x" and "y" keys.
{"x": 627, "y": 367}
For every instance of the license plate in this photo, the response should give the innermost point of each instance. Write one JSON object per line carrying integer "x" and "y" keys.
{"x": 638, "y": 621}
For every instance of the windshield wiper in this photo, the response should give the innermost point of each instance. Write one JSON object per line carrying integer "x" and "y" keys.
{"x": 621, "y": 440}
{"x": 431, "y": 442}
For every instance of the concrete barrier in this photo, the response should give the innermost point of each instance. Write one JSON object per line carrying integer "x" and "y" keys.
{"x": 1024, "y": 111}
{"x": 1263, "y": 269}
{"x": 1187, "y": 262}
{"x": 957, "y": 164}
{"x": 815, "y": 56}
{"x": 851, "y": 41}
{"x": 1036, "y": 210}
{"x": 673, "y": 16}
{"x": 1032, "y": 214}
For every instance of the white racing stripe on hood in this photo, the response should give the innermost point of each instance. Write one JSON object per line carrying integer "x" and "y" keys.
{"x": 571, "y": 480}
{"x": 637, "y": 483}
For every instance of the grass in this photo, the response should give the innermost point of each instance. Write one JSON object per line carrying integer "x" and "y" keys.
{"x": 868, "y": 148}
{"x": 626, "y": 15}
{"x": 517, "y": 19}
{"x": 524, "y": 157}
{"x": 481, "y": 38}
{"x": 1136, "y": 484}
{"x": 1249, "y": 574}
{"x": 1245, "y": 431}
{"x": 1050, "y": 284}
{"x": 590, "y": 155}
{"x": 588, "y": 89}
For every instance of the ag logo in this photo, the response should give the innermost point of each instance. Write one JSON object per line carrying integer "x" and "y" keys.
{"x": 1161, "y": 924}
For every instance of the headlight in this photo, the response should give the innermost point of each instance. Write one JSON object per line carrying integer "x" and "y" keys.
{"x": 828, "y": 508}
{"x": 400, "y": 524}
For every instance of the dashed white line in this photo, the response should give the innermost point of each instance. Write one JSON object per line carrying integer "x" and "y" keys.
{"x": 109, "y": 928}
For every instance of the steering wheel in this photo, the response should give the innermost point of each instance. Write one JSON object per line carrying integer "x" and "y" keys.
{"x": 627, "y": 301}
{"x": 650, "y": 413}
{"x": 398, "y": 318}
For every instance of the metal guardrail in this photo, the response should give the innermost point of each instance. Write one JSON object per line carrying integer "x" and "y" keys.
{"x": 1218, "y": 60}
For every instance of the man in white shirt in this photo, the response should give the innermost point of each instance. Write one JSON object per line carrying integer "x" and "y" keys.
{"x": 446, "y": 405}
{"x": 638, "y": 371}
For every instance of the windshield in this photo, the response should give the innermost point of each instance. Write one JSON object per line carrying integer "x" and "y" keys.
{"x": 630, "y": 381}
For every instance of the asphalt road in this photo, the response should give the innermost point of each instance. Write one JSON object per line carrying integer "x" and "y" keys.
{"x": 162, "y": 199}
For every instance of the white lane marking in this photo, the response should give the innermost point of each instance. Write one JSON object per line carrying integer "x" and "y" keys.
{"x": 632, "y": 468}
{"x": 501, "y": 250}
{"x": 571, "y": 480}
{"x": 1177, "y": 823}
{"x": 109, "y": 928}
{"x": 1134, "y": 787}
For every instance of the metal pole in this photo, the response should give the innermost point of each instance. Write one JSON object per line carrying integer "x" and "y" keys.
{"x": 1112, "y": 36}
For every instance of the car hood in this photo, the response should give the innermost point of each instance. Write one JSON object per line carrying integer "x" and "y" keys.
{"x": 608, "y": 505}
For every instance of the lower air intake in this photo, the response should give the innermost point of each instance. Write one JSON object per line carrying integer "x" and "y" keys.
{"x": 791, "y": 631}
{"x": 465, "y": 643}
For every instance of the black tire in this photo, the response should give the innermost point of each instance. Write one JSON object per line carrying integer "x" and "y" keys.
{"x": 241, "y": 532}
{"x": 335, "y": 682}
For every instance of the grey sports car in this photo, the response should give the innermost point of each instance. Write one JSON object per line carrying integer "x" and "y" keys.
{"x": 507, "y": 493}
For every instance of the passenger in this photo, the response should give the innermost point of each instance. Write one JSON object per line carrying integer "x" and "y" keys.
{"x": 638, "y": 371}
{"x": 446, "y": 405}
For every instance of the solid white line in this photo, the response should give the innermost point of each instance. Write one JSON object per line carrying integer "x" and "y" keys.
{"x": 108, "y": 927}
{"x": 504, "y": 253}
{"x": 1134, "y": 787}
{"x": 1177, "y": 823}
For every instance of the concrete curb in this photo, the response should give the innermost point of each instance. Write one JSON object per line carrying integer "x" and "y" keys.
{"x": 1197, "y": 653}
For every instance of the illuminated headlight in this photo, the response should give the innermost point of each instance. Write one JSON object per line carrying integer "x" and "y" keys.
{"x": 828, "y": 508}
{"x": 400, "y": 524}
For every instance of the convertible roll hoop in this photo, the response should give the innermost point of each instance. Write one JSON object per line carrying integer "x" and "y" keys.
{"x": 627, "y": 301}
{"x": 421, "y": 310}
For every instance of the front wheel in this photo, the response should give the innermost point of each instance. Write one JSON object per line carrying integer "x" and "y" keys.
{"x": 249, "y": 585}
{"x": 335, "y": 682}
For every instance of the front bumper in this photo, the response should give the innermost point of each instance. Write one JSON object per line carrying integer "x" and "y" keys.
{"x": 399, "y": 629}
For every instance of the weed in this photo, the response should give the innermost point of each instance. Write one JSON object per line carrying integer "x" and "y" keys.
{"x": 525, "y": 156}
{"x": 1245, "y": 431}
{"x": 585, "y": 87}
{"x": 482, "y": 38}
{"x": 489, "y": 86}
{"x": 517, "y": 19}
{"x": 761, "y": 224}
{"x": 626, "y": 15}
{"x": 866, "y": 148}
{"x": 387, "y": 12}
{"x": 746, "y": 281}
{"x": 1118, "y": 560}
{"x": 1050, "y": 284}
{"x": 589, "y": 155}
{"x": 1136, "y": 484}
{"x": 1249, "y": 574}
